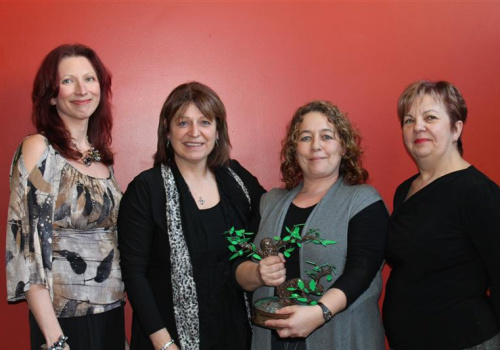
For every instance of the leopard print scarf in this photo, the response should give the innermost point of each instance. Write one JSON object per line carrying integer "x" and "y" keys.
{"x": 185, "y": 299}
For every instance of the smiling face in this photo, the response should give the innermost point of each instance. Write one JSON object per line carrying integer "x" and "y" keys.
{"x": 192, "y": 136}
{"x": 319, "y": 152}
{"x": 427, "y": 130}
{"x": 79, "y": 89}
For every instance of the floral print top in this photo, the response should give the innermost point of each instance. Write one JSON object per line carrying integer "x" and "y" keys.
{"x": 61, "y": 232}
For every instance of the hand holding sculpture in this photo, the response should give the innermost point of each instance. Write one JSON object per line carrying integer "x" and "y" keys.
{"x": 272, "y": 270}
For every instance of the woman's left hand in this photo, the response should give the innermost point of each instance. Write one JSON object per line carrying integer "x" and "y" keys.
{"x": 303, "y": 321}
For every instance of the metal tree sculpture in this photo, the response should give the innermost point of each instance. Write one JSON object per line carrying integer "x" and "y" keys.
{"x": 292, "y": 291}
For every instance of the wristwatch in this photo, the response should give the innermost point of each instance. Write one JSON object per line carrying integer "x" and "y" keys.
{"x": 327, "y": 314}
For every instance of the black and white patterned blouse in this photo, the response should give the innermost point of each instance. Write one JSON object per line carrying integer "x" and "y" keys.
{"x": 61, "y": 233}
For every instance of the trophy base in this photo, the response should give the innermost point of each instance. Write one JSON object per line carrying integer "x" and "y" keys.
{"x": 265, "y": 309}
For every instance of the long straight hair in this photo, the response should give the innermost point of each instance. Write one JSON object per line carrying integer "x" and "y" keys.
{"x": 45, "y": 117}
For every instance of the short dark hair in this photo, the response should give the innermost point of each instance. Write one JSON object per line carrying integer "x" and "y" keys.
{"x": 351, "y": 164}
{"x": 209, "y": 103}
{"x": 45, "y": 116}
{"x": 442, "y": 91}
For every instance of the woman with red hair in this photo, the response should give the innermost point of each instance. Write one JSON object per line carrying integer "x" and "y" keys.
{"x": 62, "y": 252}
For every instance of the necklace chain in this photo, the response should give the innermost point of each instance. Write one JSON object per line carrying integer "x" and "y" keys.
{"x": 200, "y": 199}
{"x": 89, "y": 156}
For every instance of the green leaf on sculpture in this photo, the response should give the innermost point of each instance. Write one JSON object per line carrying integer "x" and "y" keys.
{"x": 312, "y": 285}
{"x": 300, "y": 284}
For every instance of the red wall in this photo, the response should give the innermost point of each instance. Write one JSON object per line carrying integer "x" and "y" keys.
{"x": 265, "y": 60}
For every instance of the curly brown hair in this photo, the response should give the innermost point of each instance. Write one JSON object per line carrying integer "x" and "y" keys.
{"x": 351, "y": 164}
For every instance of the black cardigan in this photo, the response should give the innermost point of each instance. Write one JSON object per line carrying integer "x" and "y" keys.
{"x": 145, "y": 255}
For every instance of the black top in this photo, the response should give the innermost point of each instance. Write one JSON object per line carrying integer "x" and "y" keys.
{"x": 294, "y": 216}
{"x": 364, "y": 252}
{"x": 214, "y": 224}
{"x": 145, "y": 257}
{"x": 444, "y": 250}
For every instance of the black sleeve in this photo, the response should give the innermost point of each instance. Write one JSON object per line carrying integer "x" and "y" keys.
{"x": 482, "y": 212}
{"x": 254, "y": 187}
{"x": 366, "y": 242}
{"x": 255, "y": 191}
{"x": 136, "y": 229}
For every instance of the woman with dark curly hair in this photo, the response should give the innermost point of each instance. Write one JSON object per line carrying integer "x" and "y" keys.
{"x": 62, "y": 254}
{"x": 324, "y": 190}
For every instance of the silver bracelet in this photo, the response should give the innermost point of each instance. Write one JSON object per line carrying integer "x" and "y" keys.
{"x": 60, "y": 344}
{"x": 167, "y": 345}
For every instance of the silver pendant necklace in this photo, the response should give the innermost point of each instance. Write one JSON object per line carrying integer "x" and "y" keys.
{"x": 200, "y": 199}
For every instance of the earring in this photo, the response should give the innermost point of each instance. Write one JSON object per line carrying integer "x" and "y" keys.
{"x": 216, "y": 141}
{"x": 168, "y": 143}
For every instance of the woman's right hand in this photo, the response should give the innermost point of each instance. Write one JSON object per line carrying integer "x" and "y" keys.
{"x": 271, "y": 270}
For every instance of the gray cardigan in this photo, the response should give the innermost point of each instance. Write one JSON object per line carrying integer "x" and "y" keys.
{"x": 359, "y": 327}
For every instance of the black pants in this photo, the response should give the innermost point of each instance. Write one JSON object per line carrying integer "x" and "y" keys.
{"x": 104, "y": 331}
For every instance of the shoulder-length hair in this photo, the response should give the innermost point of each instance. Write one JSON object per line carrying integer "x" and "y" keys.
{"x": 441, "y": 91}
{"x": 45, "y": 117}
{"x": 351, "y": 164}
{"x": 209, "y": 103}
